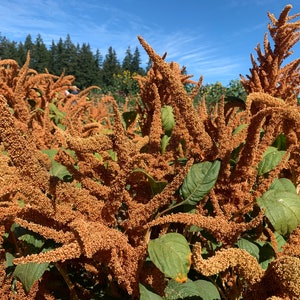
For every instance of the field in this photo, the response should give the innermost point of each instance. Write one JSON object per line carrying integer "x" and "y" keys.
{"x": 159, "y": 199}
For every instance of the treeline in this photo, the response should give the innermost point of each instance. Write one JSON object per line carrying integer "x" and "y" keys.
{"x": 89, "y": 68}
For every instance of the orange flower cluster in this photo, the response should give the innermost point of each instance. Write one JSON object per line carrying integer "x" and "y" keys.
{"x": 269, "y": 76}
{"x": 120, "y": 183}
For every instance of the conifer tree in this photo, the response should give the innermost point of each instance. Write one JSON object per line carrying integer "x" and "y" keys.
{"x": 136, "y": 61}
{"x": 127, "y": 61}
{"x": 56, "y": 51}
{"x": 87, "y": 69}
{"x": 24, "y": 48}
{"x": 69, "y": 55}
{"x": 99, "y": 59}
{"x": 110, "y": 67}
{"x": 39, "y": 55}
{"x": 7, "y": 48}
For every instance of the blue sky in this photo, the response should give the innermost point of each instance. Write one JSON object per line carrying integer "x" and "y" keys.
{"x": 212, "y": 38}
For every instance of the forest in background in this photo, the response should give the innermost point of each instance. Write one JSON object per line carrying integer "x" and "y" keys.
{"x": 92, "y": 68}
{"x": 88, "y": 67}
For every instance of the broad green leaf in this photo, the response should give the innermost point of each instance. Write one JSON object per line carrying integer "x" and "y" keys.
{"x": 280, "y": 241}
{"x": 29, "y": 273}
{"x": 50, "y": 153}
{"x": 9, "y": 263}
{"x": 282, "y": 209}
{"x": 203, "y": 289}
{"x": 57, "y": 114}
{"x": 266, "y": 254}
{"x": 156, "y": 186}
{"x": 171, "y": 254}
{"x": 167, "y": 118}
{"x": 271, "y": 158}
{"x": 32, "y": 240}
{"x": 57, "y": 169}
{"x": 146, "y": 294}
{"x": 199, "y": 181}
{"x": 280, "y": 142}
{"x": 249, "y": 246}
{"x": 283, "y": 185}
{"x": 9, "y": 260}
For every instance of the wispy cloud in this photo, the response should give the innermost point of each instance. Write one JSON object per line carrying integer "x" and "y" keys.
{"x": 104, "y": 24}
{"x": 206, "y": 60}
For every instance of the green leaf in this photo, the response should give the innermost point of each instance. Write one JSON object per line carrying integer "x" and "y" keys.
{"x": 167, "y": 118}
{"x": 280, "y": 241}
{"x": 239, "y": 129}
{"x": 271, "y": 159}
{"x": 203, "y": 289}
{"x": 29, "y": 273}
{"x": 199, "y": 181}
{"x": 57, "y": 169}
{"x": 280, "y": 142}
{"x": 266, "y": 254}
{"x": 156, "y": 186}
{"x": 56, "y": 113}
{"x": 21, "y": 203}
{"x": 146, "y": 294}
{"x": 249, "y": 246}
{"x": 50, "y": 153}
{"x": 283, "y": 185}
{"x": 112, "y": 154}
{"x": 98, "y": 156}
{"x": 171, "y": 254}
{"x": 164, "y": 143}
{"x": 32, "y": 240}
{"x": 9, "y": 260}
{"x": 282, "y": 208}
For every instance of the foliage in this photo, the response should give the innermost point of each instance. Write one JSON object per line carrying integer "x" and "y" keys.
{"x": 79, "y": 60}
{"x": 212, "y": 93}
{"x": 124, "y": 85}
{"x": 159, "y": 200}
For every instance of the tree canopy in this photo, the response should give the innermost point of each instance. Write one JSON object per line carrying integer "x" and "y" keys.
{"x": 90, "y": 68}
{"x": 87, "y": 66}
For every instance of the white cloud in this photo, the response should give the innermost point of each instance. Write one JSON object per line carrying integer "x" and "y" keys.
{"x": 104, "y": 25}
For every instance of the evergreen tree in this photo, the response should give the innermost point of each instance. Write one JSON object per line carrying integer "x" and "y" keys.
{"x": 88, "y": 68}
{"x": 56, "y": 53}
{"x": 28, "y": 44}
{"x": 132, "y": 62}
{"x": 127, "y": 61}
{"x": 23, "y": 49}
{"x": 8, "y": 49}
{"x": 149, "y": 65}
{"x": 87, "y": 71}
{"x": 39, "y": 55}
{"x": 110, "y": 67}
{"x": 52, "y": 57}
{"x": 69, "y": 56}
{"x": 136, "y": 62}
{"x": 21, "y": 54}
{"x": 63, "y": 56}
{"x": 99, "y": 59}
